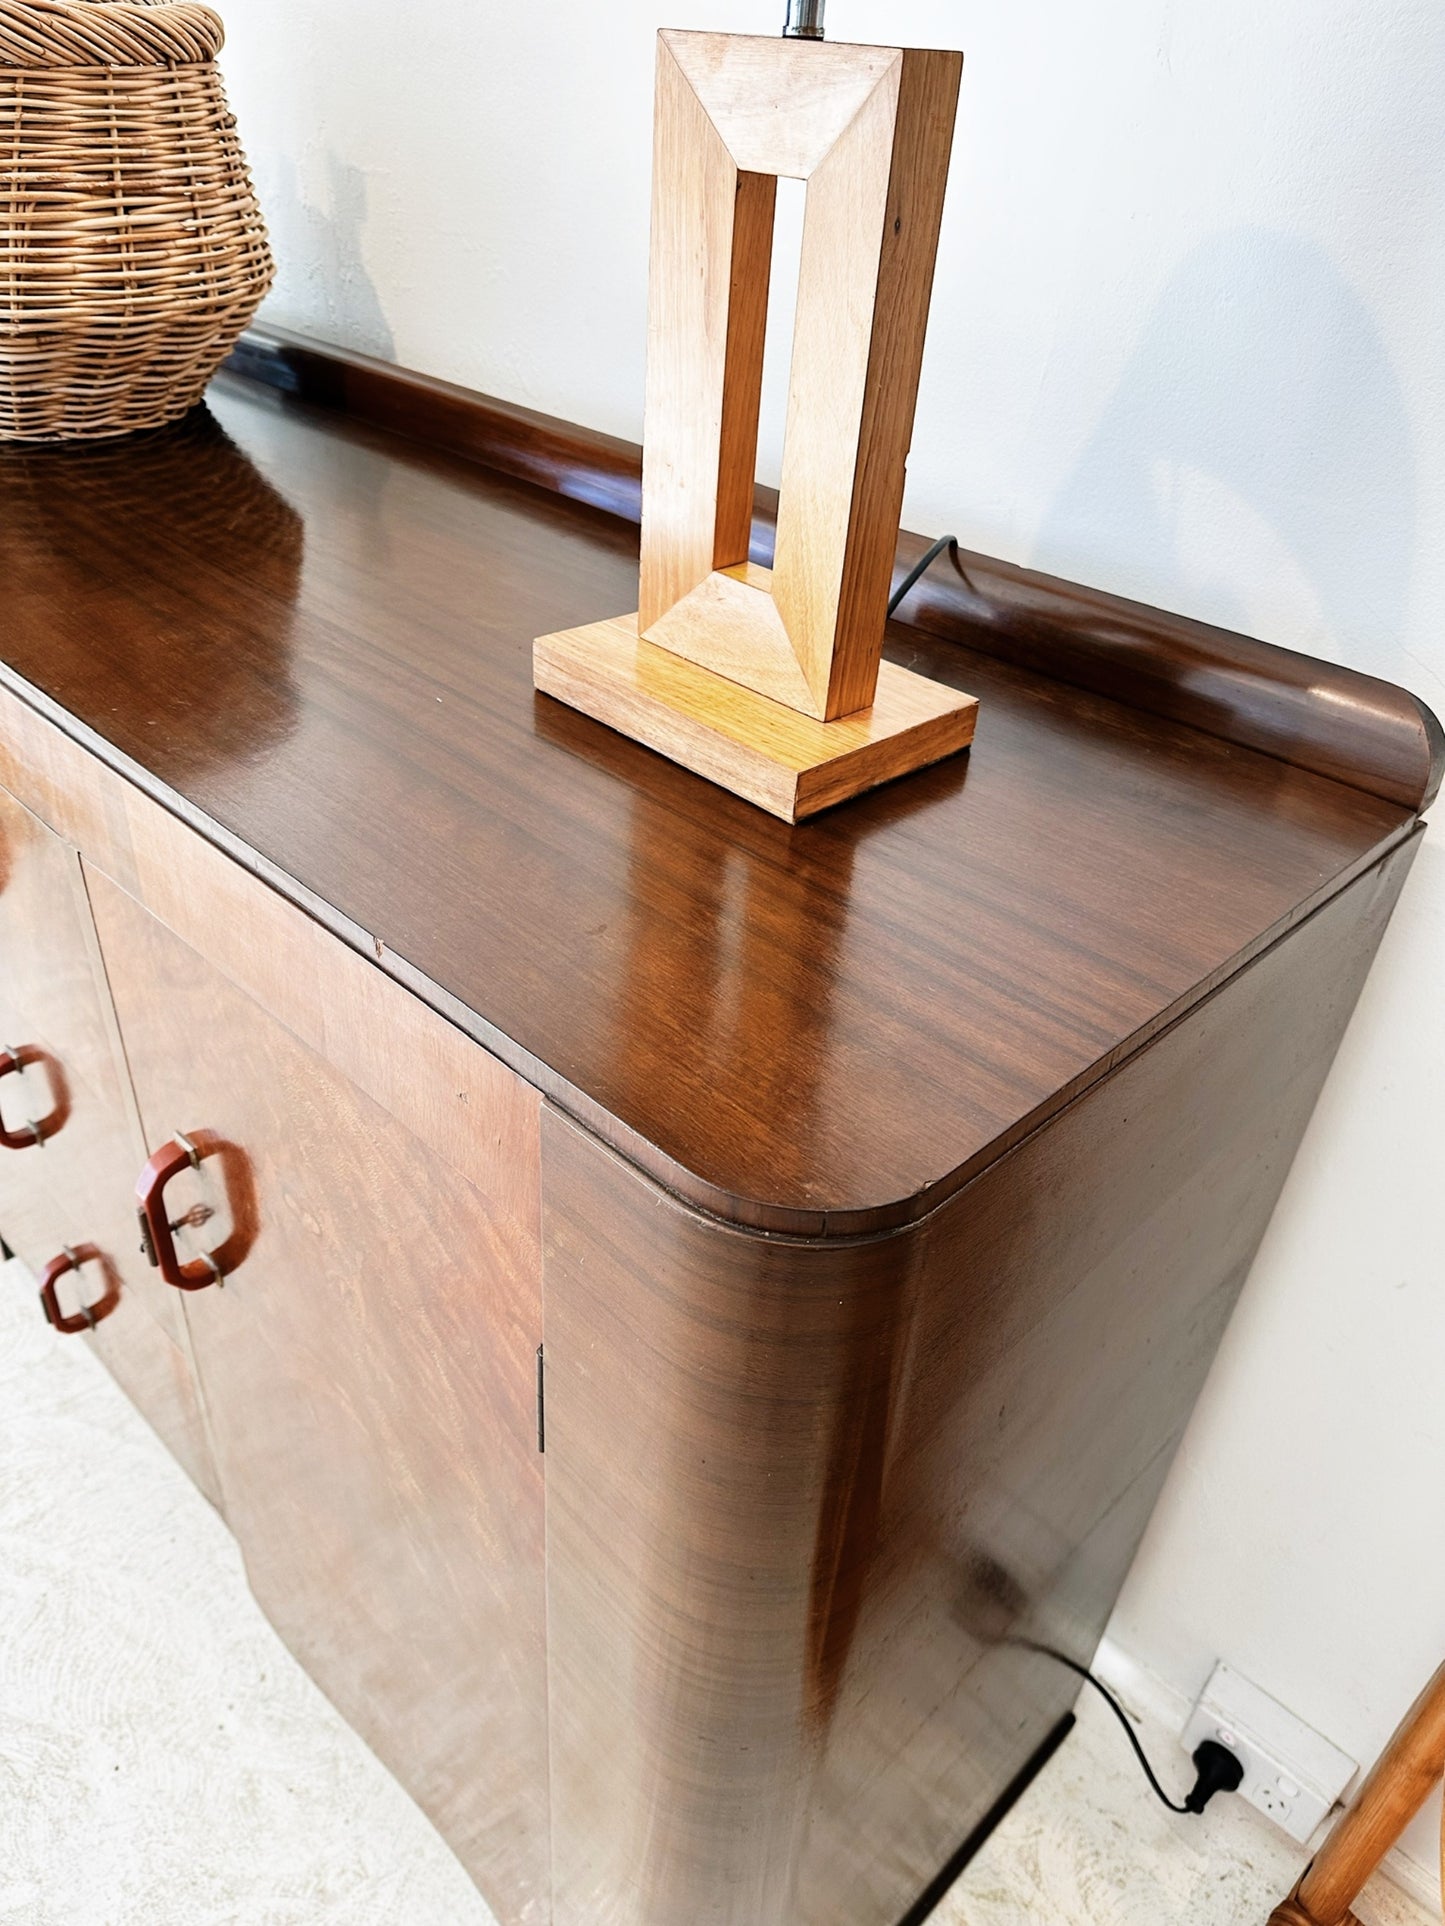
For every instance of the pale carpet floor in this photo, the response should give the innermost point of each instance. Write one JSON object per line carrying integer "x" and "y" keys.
{"x": 163, "y": 1761}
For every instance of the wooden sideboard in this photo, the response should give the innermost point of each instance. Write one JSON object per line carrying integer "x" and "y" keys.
{"x": 879, "y": 1188}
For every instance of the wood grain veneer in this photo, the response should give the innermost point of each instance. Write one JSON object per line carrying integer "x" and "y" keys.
{"x": 416, "y": 1065}
{"x": 911, "y": 983}
{"x": 368, "y": 1373}
{"x": 839, "y": 1479}
{"x": 75, "y": 1189}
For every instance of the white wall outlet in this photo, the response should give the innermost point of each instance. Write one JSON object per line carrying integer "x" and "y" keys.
{"x": 1290, "y": 1772}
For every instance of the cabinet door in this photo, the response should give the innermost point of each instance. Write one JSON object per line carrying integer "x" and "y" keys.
{"x": 73, "y": 1184}
{"x": 369, "y": 1371}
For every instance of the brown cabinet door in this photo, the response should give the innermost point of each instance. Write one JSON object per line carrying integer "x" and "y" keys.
{"x": 74, "y": 1184}
{"x": 369, "y": 1371}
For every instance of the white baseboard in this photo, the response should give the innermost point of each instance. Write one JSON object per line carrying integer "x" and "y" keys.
{"x": 1142, "y": 1691}
{"x": 1421, "y": 1882}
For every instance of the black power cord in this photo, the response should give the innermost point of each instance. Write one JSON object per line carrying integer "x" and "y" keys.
{"x": 991, "y": 1600}
{"x": 1216, "y": 1767}
{"x": 922, "y": 566}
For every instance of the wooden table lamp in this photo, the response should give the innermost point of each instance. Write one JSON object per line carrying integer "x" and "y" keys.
{"x": 772, "y": 682}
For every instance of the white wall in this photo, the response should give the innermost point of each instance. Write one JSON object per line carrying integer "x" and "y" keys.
{"x": 1188, "y": 342}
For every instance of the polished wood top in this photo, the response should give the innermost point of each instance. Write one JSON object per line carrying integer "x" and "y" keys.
{"x": 313, "y": 640}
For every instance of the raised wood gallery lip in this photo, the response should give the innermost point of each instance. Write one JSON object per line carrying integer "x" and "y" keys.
{"x": 1317, "y": 715}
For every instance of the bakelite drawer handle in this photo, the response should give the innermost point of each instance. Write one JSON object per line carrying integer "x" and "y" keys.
{"x": 89, "y": 1315}
{"x": 158, "y": 1241}
{"x": 12, "y": 1061}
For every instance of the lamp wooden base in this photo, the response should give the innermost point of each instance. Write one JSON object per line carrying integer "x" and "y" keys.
{"x": 785, "y": 762}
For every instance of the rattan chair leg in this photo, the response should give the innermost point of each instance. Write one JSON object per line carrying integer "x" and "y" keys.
{"x": 1394, "y": 1791}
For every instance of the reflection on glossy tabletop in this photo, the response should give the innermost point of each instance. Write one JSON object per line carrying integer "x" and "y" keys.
{"x": 172, "y": 549}
{"x": 1315, "y": 715}
{"x": 932, "y": 963}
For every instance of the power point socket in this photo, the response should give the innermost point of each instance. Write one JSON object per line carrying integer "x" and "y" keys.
{"x": 1291, "y": 1774}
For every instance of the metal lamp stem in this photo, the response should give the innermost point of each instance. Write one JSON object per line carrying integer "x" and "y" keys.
{"x": 805, "y": 20}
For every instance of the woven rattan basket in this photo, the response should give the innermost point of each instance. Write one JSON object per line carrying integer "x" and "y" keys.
{"x": 132, "y": 251}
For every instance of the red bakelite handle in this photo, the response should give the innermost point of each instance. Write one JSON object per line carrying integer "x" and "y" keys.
{"x": 12, "y": 1061}
{"x": 157, "y": 1237}
{"x": 89, "y": 1315}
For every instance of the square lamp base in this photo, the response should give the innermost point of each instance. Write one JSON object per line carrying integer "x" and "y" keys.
{"x": 787, "y": 763}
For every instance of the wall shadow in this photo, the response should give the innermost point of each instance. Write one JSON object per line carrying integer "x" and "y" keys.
{"x": 1261, "y": 399}
{"x": 329, "y": 240}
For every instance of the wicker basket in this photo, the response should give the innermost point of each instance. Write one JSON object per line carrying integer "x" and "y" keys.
{"x": 132, "y": 251}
